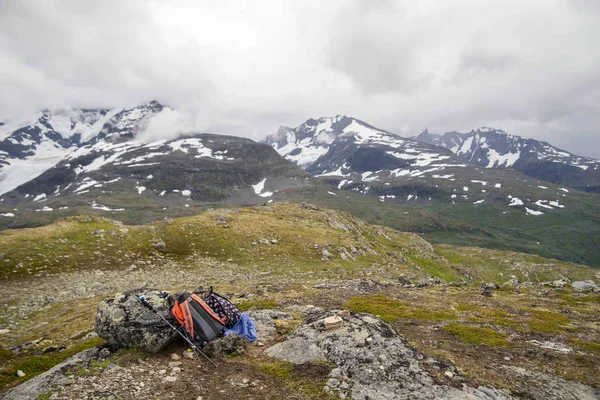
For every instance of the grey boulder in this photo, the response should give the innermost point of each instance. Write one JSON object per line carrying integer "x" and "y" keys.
{"x": 124, "y": 321}
{"x": 372, "y": 361}
{"x": 585, "y": 286}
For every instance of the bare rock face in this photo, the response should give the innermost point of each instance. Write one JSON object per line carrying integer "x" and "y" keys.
{"x": 372, "y": 361}
{"x": 124, "y": 322}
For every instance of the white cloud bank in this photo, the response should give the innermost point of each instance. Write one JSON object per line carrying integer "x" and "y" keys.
{"x": 530, "y": 68}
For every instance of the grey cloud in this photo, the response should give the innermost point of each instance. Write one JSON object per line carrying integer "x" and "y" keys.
{"x": 527, "y": 67}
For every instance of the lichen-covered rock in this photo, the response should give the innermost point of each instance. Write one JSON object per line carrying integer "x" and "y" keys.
{"x": 488, "y": 288}
{"x": 372, "y": 361}
{"x": 225, "y": 346}
{"x": 265, "y": 325}
{"x": 124, "y": 322}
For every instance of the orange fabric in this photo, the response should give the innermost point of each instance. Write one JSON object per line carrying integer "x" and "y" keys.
{"x": 180, "y": 314}
{"x": 189, "y": 321}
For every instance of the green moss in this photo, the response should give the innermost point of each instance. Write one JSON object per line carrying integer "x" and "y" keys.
{"x": 257, "y": 304}
{"x": 548, "y": 322}
{"x": 436, "y": 268}
{"x": 492, "y": 316}
{"x": 5, "y": 355}
{"x": 37, "y": 364}
{"x": 592, "y": 347}
{"x": 577, "y": 300}
{"x": 390, "y": 310}
{"x": 476, "y": 335}
{"x": 307, "y": 379}
{"x": 466, "y": 307}
{"x": 44, "y": 396}
{"x": 386, "y": 308}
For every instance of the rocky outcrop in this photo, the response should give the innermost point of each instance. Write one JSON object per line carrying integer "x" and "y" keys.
{"x": 372, "y": 361}
{"x": 124, "y": 322}
{"x": 544, "y": 386}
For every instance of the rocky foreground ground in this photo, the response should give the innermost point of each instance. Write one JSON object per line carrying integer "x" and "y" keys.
{"x": 415, "y": 320}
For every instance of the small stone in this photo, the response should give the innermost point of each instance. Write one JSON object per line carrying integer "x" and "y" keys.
{"x": 174, "y": 364}
{"x": 333, "y": 322}
{"x": 175, "y": 370}
{"x": 245, "y": 381}
{"x": 20, "y": 373}
{"x": 171, "y": 379}
{"x": 253, "y": 384}
{"x": 448, "y": 374}
{"x": 199, "y": 398}
{"x": 274, "y": 241}
{"x": 175, "y": 356}
{"x": 188, "y": 354}
{"x": 507, "y": 358}
{"x": 104, "y": 353}
{"x": 132, "y": 267}
{"x": 259, "y": 344}
{"x": 229, "y": 259}
{"x": 162, "y": 372}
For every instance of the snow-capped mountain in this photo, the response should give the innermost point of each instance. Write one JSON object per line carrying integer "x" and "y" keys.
{"x": 35, "y": 143}
{"x": 340, "y": 145}
{"x": 356, "y": 156}
{"x": 76, "y": 161}
{"x": 494, "y": 148}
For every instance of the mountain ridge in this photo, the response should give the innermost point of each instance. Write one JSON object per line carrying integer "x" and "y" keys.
{"x": 31, "y": 145}
{"x": 495, "y": 148}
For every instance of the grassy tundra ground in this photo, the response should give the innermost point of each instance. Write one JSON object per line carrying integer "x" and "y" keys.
{"x": 286, "y": 255}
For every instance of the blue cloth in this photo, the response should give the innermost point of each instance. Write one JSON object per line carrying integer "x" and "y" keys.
{"x": 244, "y": 328}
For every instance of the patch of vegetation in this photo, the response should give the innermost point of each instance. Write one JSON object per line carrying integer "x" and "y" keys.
{"x": 436, "y": 268}
{"x": 492, "y": 316}
{"x": 391, "y": 310}
{"x": 33, "y": 365}
{"x": 487, "y": 265}
{"x": 257, "y": 304}
{"x": 5, "y": 355}
{"x": 548, "y": 322}
{"x": 44, "y": 396}
{"x": 307, "y": 379}
{"x": 476, "y": 335}
{"x": 592, "y": 347}
{"x": 285, "y": 326}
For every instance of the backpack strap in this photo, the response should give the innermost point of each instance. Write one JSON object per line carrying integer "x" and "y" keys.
{"x": 206, "y": 307}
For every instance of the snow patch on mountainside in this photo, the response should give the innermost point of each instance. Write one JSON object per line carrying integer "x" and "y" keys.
{"x": 19, "y": 171}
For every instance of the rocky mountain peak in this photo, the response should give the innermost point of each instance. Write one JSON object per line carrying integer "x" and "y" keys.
{"x": 31, "y": 144}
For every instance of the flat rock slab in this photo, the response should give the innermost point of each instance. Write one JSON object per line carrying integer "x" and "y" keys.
{"x": 372, "y": 361}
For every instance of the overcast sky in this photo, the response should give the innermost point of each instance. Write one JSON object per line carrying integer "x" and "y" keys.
{"x": 530, "y": 67}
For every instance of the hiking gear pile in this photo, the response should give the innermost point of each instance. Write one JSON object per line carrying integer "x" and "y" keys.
{"x": 194, "y": 348}
{"x": 198, "y": 320}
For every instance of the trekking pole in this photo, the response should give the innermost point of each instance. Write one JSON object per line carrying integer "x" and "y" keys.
{"x": 195, "y": 348}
